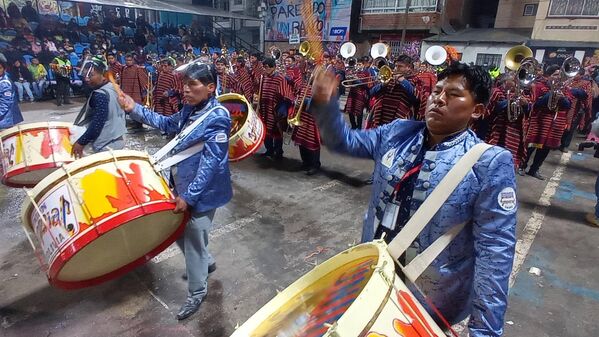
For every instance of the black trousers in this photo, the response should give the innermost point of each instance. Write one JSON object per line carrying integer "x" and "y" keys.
{"x": 310, "y": 158}
{"x": 569, "y": 134}
{"x": 63, "y": 85}
{"x": 273, "y": 146}
{"x": 540, "y": 156}
{"x": 355, "y": 121}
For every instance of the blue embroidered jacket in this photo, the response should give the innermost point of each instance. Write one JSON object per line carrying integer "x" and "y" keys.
{"x": 10, "y": 113}
{"x": 470, "y": 277}
{"x": 202, "y": 180}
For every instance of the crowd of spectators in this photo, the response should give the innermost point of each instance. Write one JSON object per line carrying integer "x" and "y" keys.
{"x": 29, "y": 42}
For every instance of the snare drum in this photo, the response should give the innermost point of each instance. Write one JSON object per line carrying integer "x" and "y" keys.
{"x": 32, "y": 151}
{"x": 353, "y": 294}
{"x": 100, "y": 217}
{"x": 247, "y": 130}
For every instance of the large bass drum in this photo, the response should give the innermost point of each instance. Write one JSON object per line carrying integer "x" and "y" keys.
{"x": 32, "y": 151}
{"x": 353, "y": 294}
{"x": 99, "y": 217}
{"x": 247, "y": 130}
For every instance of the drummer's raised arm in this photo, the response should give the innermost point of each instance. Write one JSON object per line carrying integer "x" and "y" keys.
{"x": 168, "y": 124}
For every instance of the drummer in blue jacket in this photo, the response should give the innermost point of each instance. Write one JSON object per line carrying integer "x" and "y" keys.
{"x": 470, "y": 277}
{"x": 10, "y": 114}
{"x": 203, "y": 181}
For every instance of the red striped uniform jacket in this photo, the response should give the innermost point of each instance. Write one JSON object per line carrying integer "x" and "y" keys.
{"x": 393, "y": 102}
{"x": 502, "y": 132}
{"x": 246, "y": 84}
{"x": 134, "y": 82}
{"x": 295, "y": 78}
{"x": 165, "y": 83}
{"x": 546, "y": 127}
{"x": 228, "y": 83}
{"x": 357, "y": 98}
{"x": 116, "y": 69}
{"x": 256, "y": 70}
{"x": 307, "y": 134}
{"x": 275, "y": 90}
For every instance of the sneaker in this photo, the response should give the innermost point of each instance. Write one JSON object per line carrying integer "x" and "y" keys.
{"x": 521, "y": 172}
{"x": 312, "y": 171}
{"x": 536, "y": 175}
{"x": 592, "y": 219}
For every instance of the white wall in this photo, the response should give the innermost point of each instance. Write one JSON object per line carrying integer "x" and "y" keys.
{"x": 472, "y": 50}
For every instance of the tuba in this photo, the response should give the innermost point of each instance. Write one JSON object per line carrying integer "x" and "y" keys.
{"x": 569, "y": 69}
{"x": 435, "y": 55}
{"x": 348, "y": 52}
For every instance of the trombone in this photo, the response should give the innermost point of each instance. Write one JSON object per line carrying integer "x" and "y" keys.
{"x": 378, "y": 52}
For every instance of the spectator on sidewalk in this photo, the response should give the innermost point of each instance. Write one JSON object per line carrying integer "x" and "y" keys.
{"x": 21, "y": 77}
{"x": 39, "y": 73}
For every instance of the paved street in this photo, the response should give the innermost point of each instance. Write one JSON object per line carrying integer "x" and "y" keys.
{"x": 273, "y": 231}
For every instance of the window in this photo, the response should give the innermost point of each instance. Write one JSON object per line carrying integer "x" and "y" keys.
{"x": 398, "y": 6}
{"x": 488, "y": 60}
{"x": 588, "y": 8}
{"x": 530, "y": 9}
{"x": 237, "y": 2}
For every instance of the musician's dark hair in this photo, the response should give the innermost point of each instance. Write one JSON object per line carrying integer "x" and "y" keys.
{"x": 290, "y": 57}
{"x": 551, "y": 69}
{"x": 221, "y": 60}
{"x": 258, "y": 56}
{"x": 478, "y": 79}
{"x": 108, "y": 54}
{"x": 203, "y": 72}
{"x": 405, "y": 59}
{"x": 3, "y": 63}
{"x": 241, "y": 60}
{"x": 128, "y": 55}
{"x": 270, "y": 62}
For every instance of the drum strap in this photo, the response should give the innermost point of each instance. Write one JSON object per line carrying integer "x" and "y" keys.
{"x": 427, "y": 210}
{"x": 161, "y": 159}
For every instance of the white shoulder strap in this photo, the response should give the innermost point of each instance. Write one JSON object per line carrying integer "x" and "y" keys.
{"x": 162, "y": 163}
{"x": 429, "y": 208}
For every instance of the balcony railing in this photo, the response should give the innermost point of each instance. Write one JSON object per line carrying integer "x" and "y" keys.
{"x": 398, "y": 6}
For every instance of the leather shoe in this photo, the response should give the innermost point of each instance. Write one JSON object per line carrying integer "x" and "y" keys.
{"x": 211, "y": 269}
{"x": 536, "y": 175}
{"x": 190, "y": 306}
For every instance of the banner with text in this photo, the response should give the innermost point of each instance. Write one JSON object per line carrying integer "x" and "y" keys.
{"x": 284, "y": 17}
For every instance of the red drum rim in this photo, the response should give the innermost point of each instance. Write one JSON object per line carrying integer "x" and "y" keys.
{"x": 253, "y": 150}
{"x": 23, "y": 128}
{"x": 75, "y": 246}
{"x": 13, "y": 173}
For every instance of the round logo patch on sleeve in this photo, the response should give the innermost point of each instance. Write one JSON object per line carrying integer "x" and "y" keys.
{"x": 507, "y": 199}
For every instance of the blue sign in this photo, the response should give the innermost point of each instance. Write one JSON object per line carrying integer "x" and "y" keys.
{"x": 338, "y": 31}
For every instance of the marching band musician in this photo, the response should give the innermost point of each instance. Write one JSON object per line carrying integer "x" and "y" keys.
{"x": 256, "y": 69}
{"x": 306, "y": 135}
{"x": 397, "y": 99}
{"x": 134, "y": 82}
{"x": 293, "y": 74}
{"x": 61, "y": 66}
{"x": 102, "y": 115}
{"x": 226, "y": 81}
{"x": 507, "y": 130}
{"x": 242, "y": 73}
{"x": 582, "y": 101}
{"x": 425, "y": 80}
{"x": 165, "y": 85}
{"x": 114, "y": 66}
{"x": 471, "y": 276}
{"x": 546, "y": 125}
{"x": 203, "y": 181}
{"x": 276, "y": 97}
{"x": 357, "y": 98}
